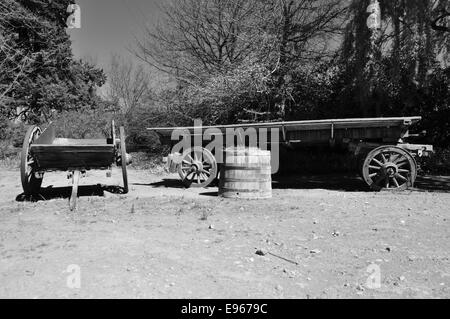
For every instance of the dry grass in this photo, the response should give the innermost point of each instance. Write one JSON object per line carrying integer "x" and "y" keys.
{"x": 11, "y": 161}
{"x": 148, "y": 162}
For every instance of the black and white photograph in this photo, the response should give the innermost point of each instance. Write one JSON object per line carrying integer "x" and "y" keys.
{"x": 241, "y": 151}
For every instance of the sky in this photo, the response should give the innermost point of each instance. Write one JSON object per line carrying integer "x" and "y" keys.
{"x": 108, "y": 27}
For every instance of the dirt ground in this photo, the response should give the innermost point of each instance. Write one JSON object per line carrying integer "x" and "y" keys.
{"x": 320, "y": 237}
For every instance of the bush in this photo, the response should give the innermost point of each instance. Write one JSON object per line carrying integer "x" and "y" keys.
{"x": 437, "y": 164}
{"x": 88, "y": 123}
{"x": 136, "y": 124}
{"x": 148, "y": 161}
{"x": 11, "y": 138}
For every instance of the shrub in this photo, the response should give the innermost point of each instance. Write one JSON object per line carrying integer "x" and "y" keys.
{"x": 136, "y": 124}
{"x": 88, "y": 123}
{"x": 437, "y": 164}
{"x": 11, "y": 138}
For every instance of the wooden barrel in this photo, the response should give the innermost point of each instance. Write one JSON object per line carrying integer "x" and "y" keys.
{"x": 246, "y": 173}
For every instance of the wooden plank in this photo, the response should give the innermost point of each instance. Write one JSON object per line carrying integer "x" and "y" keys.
{"x": 71, "y": 141}
{"x": 62, "y": 157}
{"x": 365, "y": 133}
{"x": 47, "y": 137}
{"x": 306, "y": 125}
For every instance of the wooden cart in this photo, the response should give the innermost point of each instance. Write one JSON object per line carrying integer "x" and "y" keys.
{"x": 388, "y": 161}
{"x": 42, "y": 152}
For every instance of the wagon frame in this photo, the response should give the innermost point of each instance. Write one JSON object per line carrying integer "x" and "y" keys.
{"x": 43, "y": 152}
{"x": 387, "y": 160}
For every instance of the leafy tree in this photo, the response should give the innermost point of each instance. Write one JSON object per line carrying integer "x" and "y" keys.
{"x": 39, "y": 76}
{"x": 303, "y": 32}
{"x": 410, "y": 54}
{"x": 301, "y": 59}
{"x": 234, "y": 60}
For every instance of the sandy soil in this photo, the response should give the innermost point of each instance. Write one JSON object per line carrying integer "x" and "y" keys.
{"x": 318, "y": 235}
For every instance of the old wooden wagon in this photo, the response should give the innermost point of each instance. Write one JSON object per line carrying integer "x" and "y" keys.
{"x": 387, "y": 160}
{"x": 42, "y": 152}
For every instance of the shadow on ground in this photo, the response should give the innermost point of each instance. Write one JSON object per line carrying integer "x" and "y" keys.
{"x": 172, "y": 183}
{"x": 433, "y": 183}
{"x": 51, "y": 192}
{"x": 337, "y": 182}
{"x": 353, "y": 183}
{"x": 165, "y": 182}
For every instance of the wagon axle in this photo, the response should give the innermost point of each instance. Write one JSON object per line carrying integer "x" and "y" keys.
{"x": 197, "y": 167}
{"x": 39, "y": 175}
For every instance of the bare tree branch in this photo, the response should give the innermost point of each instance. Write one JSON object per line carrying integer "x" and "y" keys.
{"x": 129, "y": 85}
{"x": 435, "y": 23}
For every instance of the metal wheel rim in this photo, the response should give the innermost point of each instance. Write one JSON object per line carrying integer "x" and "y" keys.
{"x": 198, "y": 167}
{"x": 389, "y": 168}
{"x": 30, "y": 183}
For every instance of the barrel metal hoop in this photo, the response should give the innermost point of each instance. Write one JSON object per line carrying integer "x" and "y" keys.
{"x": 248, "y": 168}
{"x": 234, "y": 180}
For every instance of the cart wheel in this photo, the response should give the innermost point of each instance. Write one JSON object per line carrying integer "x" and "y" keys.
{"x": 123, "y": 161}
{"x": 389, "y": 168}
{"x": 30, "y": 183}
{"x": 198, "y": 167}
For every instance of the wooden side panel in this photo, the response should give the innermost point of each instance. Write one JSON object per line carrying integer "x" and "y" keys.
{"x": 72, "y": 141}
{"x": 318, "y": 131}
{"x": 370, "y": 133}
{"x": 323, "y": 135}
{"x": 47, "y": 137}
{"x": 63, "y": 157}
{"x": 309, "y": 125}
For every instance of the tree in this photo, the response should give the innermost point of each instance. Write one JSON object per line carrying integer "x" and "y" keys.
{"x": 212, "y": 46}
{"x": 410, "y": 54}
{"x": 38, "y": 73}
{"x": 197, "y": 38}
{"x": 129, "y": 85}
{"x": 303, "y": 32}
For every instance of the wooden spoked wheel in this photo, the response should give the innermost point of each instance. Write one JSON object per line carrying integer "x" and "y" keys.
{"x": 31, "y": 183}
{"x": 123, "y": 160}
{"x": 389, "y": 168}
{"x": 198, "y": 167}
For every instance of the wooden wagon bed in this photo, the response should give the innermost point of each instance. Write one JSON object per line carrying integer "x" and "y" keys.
{"x": 56, "y": 156}
{"x": 317, "y": 131}
{"x": 388, "y": 161}
{"x": 43, "y": 152}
